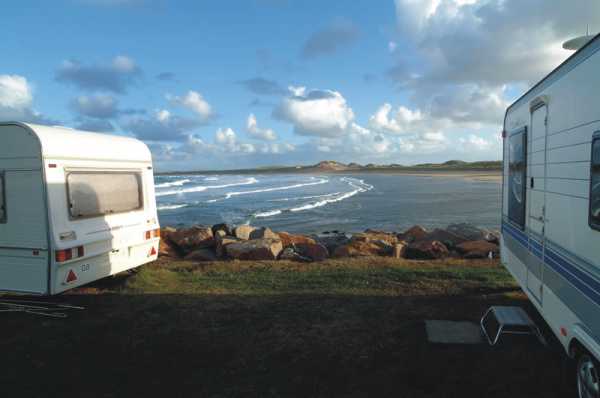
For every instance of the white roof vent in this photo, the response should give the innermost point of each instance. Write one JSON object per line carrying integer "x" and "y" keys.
{"x": 578, "y": 42}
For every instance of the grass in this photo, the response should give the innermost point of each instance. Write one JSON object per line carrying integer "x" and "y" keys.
{"x": 384, "y": 277}
{"x": 349, "y": 328}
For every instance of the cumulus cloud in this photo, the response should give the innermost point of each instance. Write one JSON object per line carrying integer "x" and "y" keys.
{"x": 491, "y": 42}
{"x": 116, "y": 77}
{"x": 226, "y": 141}
{"x": 162, "y": 126}
{"x": 322, "y": 113}
{"x": 261, "y": 86}
{"x": 16, "y": 101}
{"x": 195, "y": 102}
{"x": 97, "y": 106}
{"x": 339, "y": 34}
{"x": 259, "y": 133}
{"x": 398, "y": 122}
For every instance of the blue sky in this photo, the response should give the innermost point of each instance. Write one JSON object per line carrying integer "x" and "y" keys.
{"x": 232, "y": 84}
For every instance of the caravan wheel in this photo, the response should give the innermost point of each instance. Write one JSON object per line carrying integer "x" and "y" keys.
{"x": 588, "y": 384}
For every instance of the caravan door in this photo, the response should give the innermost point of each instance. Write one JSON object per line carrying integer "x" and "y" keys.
{"x": 537, "y": 203}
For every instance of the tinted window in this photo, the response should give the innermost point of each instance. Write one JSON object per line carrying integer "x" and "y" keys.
{"x": 95, "y": 194}
{"x": 2, "y": 200}
{"x": 517, "y": 168}
{"x": 595, "y": 185}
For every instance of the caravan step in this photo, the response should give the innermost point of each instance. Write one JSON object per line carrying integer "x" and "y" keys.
{"x": 508, "y": 320}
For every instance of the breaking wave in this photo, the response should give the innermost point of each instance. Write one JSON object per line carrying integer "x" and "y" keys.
{"x": 177, "y": 183}
{"x": 201, "y": 188}
{"x": 318, "y": 181}
{"x": 170, "y": 207}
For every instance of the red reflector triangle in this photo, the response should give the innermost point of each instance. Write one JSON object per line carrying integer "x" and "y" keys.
{"x": 153, "y": 251}
{"x": 71, "y": 277}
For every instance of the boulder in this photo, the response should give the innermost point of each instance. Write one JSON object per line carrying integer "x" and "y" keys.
{"x": 221, "y": 243}
{"x": 263, "y": 233}
{"x": 426, "y": 250}
{"x": 290, "y": 240}
{"x": 256, "y": 249}
{"x": 399, "y": 250}
{"x": 196, "y": 237}
{"x": 358, "y": 248}
{"x": 243, "y": 232}
{"x": 446, "y": 237}
{"x": 371, "y": 235}
{"x": 201, "y": 255}
{"x": 312, "y": 251}
{"x": 467, "y": 231}
{"x": 412, "y": 234}
{"x": 477, "y": 249}
{"x": 223, "y": 228}
{"x": 493, "y": 237}
{"x": 290, "y": 254}
{"x": 167, "y": 249}
{"x": 332, "y": 240}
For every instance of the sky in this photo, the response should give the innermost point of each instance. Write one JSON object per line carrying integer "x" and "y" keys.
{"x": 252, "y": 83}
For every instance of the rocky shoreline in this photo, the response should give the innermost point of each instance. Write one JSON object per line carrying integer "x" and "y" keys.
{"x": 244, "y": 242}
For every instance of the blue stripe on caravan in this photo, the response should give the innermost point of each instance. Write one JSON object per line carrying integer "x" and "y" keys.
{"x": 568, "y": 270}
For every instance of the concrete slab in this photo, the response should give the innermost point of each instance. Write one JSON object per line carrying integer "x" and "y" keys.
{"x": 451, "y": 332}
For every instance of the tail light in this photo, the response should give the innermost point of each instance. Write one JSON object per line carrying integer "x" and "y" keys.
{"x": 67, "y": 254}
{"x": 155, "y": 233}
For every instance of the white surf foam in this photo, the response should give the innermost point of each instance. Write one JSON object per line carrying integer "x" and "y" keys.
{"x": 177, "y": 183}
{"x": 305, "y": 197}
{"x": 211, "y": 179}
{"x": 170, "y": 207}
{"x": 358, "y": 185}
{"x": 201, "y": 188}
{"x": 229, "y": 195}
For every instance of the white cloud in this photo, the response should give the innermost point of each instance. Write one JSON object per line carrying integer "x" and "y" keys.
{"x": 97, "y": 106}
{"x": 476, "y": 143}
{"x": 16, "y": 100}
{"x": 195, "y": 102}
{"x": 392, "y": 46}
{"x": 398, "y": 122}
{"x": 259, "y": 133}
{"x": 321, "y": 113}
{"x": 161, "y": 126}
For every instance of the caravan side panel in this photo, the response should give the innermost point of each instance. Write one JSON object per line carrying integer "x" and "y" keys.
{"x": 24, "y": 259}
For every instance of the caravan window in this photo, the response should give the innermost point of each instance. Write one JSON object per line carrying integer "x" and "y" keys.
{"x": 93, "y": 194}
{"x": 2, "y": 200}
{"x": 595, "y": 183}
{"x": 517, "y": 169}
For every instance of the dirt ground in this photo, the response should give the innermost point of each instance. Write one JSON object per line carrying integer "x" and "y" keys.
{"x": 285, "y": 344}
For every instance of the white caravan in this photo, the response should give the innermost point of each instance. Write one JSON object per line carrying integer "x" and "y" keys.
{"x": 551, "y": 205}
{"x": 74, "y": 207}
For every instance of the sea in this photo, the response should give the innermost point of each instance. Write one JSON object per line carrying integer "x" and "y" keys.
{"x": 319, "y": 203}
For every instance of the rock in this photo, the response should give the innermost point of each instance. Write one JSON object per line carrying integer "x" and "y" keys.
{"x": 263, "y": 233}
{"x": 256, "y": 249}
{"x": 223, "y": 228}
{"x": 243, "y": 232}
{"x": 477, "y": 249}
{"x": 332, "y": 240}
{"x": 201, "y": 255}
{"x": 467, "y": 231}
{"x": 414, "y": 233}
{"x": 446, "y": 237}
{"x": 196, "y": 237}
{"x": 290, "y": 240}
{"x": 493, "y": 237}
{"x": 221, "y": 243}
{"x": 312, "y": 251}
{"x": 357, "y": 248}
{"x": 371, "y": 235}
{"x": 167, "y": 249}
{"x": 399, "y": 250}
{"x": 290, "y": 254}
{"x": 426, "y": 250}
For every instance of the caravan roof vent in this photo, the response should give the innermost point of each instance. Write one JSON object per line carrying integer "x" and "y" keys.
{"x": 578, "y": 42}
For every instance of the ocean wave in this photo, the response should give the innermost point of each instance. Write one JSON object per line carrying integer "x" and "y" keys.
{"x": 201, "y": 188}
{"x": 305, "y": 197}
{"x": 170, "y": 207}
{"x": 229, "y": 195}
{"x": 358, "y": 185}
{"x": 211, "y": 179}
{"x": 268, "y": 213}
{"x": 177, "y": 183}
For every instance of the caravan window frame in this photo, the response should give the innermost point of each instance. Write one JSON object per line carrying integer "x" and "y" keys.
{"x": 136, "y": 173}
{"x": 594, "y": 222}
{"x": 522, "y": 221}
{"x": 3, "y": 214}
